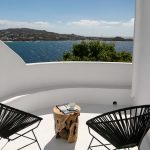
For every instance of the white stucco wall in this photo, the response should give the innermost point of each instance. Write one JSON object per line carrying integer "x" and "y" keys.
{"x": 48, "y": 99}
{"x": 141, "y": 59}
{"x": 105, "y": 82}
{"x": 141, "y": 63}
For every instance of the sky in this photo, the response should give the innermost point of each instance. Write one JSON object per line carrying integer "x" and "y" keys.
{"x": 107, "y": 18}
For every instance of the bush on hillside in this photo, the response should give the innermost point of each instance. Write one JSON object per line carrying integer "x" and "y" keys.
{"x": 96, "y": 51}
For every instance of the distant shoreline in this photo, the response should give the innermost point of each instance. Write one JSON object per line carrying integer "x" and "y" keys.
{"x": 65, "y": 40}
{"x": 26, "y": 34}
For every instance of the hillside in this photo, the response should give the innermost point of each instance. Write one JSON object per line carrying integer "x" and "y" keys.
{"x": 25, "y": 34}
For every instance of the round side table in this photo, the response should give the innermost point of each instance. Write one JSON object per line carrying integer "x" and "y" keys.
{"x": 66, "y": 125}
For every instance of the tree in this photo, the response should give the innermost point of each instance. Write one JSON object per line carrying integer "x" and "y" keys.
{"x": 95, "y": 50}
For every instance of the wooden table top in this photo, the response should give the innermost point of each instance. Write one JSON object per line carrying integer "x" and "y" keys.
{"x": 57, "y": 111}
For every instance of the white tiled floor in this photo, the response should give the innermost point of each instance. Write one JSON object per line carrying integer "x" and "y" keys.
{"x": 46, "y": 136}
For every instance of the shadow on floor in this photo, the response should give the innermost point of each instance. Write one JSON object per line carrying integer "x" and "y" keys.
{"x": 59, "y": 144}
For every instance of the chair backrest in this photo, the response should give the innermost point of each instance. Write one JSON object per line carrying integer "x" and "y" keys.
{"x": 123, "y": 128}
{"x": 13, "y": 120}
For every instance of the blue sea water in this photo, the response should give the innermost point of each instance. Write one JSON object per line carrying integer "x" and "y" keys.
{"x": 48, "y": 51}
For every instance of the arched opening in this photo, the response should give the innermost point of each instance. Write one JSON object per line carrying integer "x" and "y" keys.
{"x": 47, "y": 41}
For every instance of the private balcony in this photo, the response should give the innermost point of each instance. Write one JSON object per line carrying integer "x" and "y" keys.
{"x": 36, "y": 88}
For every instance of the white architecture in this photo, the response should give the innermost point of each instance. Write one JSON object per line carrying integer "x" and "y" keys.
{"x": 38, "y": 87}
{"x": 141, "y": 61}
{"x": 50, "y": 83}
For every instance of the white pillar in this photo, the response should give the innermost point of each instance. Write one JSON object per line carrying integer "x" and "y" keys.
{"x": 141, "y": 55}
{"x": 141, "y": 58}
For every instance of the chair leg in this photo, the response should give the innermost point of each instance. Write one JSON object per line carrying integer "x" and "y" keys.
{"x": 89, "y": 147}
{"x": 36, "y": 140}
{"x": 4, "y": 145}
{"x": 26, "y": 145}
{"x": 102, "y": 144}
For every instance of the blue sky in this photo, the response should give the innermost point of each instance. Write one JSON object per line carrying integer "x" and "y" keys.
{"x": 84, "y": 17}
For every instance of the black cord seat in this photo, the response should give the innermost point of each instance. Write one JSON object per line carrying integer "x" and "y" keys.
{"x": 13, "y": 120}
{"x": 123, "y": 128}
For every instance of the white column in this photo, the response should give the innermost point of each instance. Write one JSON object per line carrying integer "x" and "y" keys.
{"x": 141, "y": 59}
{"x": 141, "y": 55}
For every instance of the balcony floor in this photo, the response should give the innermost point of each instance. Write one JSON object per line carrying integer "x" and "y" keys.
{"x": 46, "y": 135}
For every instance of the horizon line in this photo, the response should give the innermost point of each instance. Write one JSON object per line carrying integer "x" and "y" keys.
{"x": 126, "y": 37}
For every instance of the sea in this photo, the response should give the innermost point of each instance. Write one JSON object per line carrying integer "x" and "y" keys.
{"x": 51, "y": 51}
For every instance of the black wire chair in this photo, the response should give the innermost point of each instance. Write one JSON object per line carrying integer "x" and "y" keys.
{"x": 123, "y": 128}
{"x": 14, "y": 121}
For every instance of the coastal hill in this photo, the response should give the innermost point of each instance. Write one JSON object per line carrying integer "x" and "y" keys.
{"x": 26, "y": 34}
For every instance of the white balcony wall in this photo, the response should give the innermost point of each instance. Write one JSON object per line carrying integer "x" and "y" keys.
{"x": 141, "y": 60}
{"x": 141, "y": 63}
{"x": 48, "y": 83}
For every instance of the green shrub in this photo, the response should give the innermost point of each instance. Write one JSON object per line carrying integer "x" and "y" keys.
{"x": 95, "y": 50}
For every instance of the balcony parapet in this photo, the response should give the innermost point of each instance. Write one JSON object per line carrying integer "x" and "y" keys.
{"x": 18, "y": 78}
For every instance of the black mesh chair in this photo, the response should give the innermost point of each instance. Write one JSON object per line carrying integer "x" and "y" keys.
{"x": 14, "y": 121}
{"x": 123, "y": 128}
